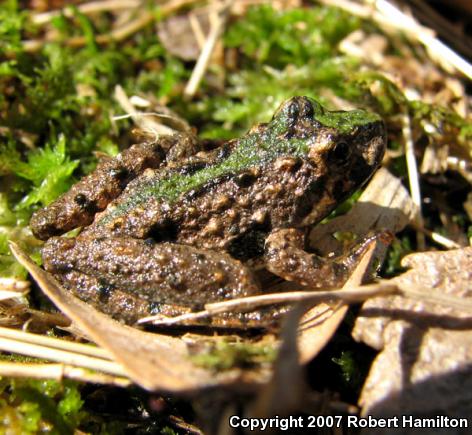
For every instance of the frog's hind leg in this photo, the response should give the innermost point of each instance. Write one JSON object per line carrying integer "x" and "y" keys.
{"x": 93, "y": 193}
{"x": 163, "y": 272}
{"x": 285, "y": 257}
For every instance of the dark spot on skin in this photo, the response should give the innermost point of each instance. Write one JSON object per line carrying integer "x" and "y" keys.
{"x": 289, "y": 133}
{"x": 120, "y": 173}
{"x": 245, "y": 179}
{"x": 163, "y": 231}
{"x": 303, "y": 207}
{"x": 191, "y": 168}
{"x": 205, "y": 188}
{"x": 223, "y": 152}
{"x": 85, "y": 204}
{"x": 200, "y": 257}
{"x": 175, "y": 281}
{"x": 297, "y": 163}
{"x": 104, "y": 291}
{"x": 312, "y": 195}
{"x": 80, "y": 199}
{"x": 357, "y": 176}
{"x": 250, "y": 244}
{"x": 154, "y": 308}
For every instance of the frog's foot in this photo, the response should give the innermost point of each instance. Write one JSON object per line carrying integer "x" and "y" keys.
{"x": 165, "y": 272}
{"x": 285, "y": 256}
{"x": 93, "y": 193}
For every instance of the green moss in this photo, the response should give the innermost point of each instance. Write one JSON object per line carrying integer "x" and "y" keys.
{"x": 398, "y": 249}
{"x": 32, "y": 406}
{"x": 344, "y": 121}
{"x": 224, "y": 355}
{"x": 291, "y": 36}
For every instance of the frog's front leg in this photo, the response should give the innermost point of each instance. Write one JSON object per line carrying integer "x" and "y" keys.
{"x": 162, "y": 273}
{"x": 93, "y": 193}
{"x": 285, "y": 256}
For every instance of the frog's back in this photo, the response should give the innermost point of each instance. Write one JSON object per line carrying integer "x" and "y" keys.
{"x": 288, "y": 173}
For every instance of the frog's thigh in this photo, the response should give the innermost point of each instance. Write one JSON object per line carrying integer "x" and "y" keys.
{"x": 285, "y": 256}
{"x": 93, "y": 193}
{"x": 166, "y": 272}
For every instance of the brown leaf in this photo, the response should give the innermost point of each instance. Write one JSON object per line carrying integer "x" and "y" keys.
{"x": 184, "y": 35}
{"x": 153, "y": 361}
{"x": 425, "y": 366}
{"x": 384, "y": 205}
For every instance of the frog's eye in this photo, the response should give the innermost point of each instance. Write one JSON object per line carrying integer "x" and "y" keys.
{"x": 340, "y": 153}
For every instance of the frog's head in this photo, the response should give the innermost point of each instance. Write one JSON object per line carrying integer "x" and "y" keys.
{"x": 346, "y": 145}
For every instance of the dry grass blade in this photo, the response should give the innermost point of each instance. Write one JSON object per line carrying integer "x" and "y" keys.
{"x": 72, "y": 358}
{"x": 205, "y": 55}
{"x": 58, "y": 372}
{"x": 163, "y": 362}
{"x": 392, "y": 19}
{"x": 350, "y": 295}
{"x": 413, "y": 176}
{"x": 55, "y": 343}
{"x": 148, "y": 125}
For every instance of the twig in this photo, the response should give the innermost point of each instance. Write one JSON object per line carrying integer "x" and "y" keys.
{"x": 389, "y": 17}
{"x": 438, "y": 238}
{"x": 205, "y": 55}
{"x": 87, "y": 8}
{"x": 147, "y": 124}
{"x": 353, "y": 294}
{"x": 58, "y": 372}
{"x": 197, "y": 30}
{"x": 349, "y": 295}
{"x": 413, "y": 176}
{"x": 115, "y": 35}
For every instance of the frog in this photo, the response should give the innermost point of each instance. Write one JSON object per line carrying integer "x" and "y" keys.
{"x": 173, "y": 223}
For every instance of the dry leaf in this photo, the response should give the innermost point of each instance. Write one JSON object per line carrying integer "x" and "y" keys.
{"x": 184, "y": 35}
{"x": 153, "y": 361}
{"x": 384, "y": 205}
{"x": 425, "y": 367}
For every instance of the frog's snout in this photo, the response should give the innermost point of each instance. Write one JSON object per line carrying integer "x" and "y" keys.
{"x": 298, "y": 107}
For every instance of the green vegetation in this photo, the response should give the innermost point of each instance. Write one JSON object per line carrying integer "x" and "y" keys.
{"x": 32, "y": 406}
{"x": 224, "y": 355}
